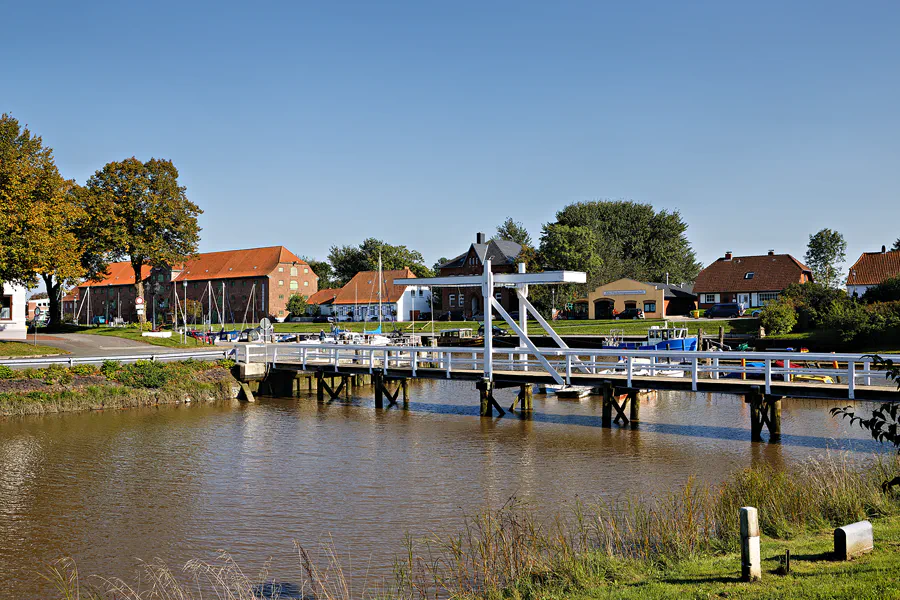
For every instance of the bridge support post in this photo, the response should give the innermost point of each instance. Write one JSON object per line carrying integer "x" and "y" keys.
{"x": 774, "y": 406}
{"x": 404, "y": 385}
{"x": 526, "y": 398}
{"x": 607, "y": 404}
{"x": 634, "y": 401}
{"x": 765, "y": 411}
{"x": 379, "y": 390}
{"x": 320, "y": 387}
{"x": 488, "y": 403}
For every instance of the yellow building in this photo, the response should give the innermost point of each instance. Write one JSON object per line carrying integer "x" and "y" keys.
{"x": 657, "y": 300}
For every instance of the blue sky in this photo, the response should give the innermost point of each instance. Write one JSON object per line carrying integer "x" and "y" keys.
{"x": 420, "y": 123}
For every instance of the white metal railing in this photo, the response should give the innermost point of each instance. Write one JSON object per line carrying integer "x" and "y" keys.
{"x": 768, "y": 368}
{"x": 71, "y": 361}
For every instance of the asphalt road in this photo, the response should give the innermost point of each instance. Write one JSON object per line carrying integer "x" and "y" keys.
{"x": 82, "y": 344}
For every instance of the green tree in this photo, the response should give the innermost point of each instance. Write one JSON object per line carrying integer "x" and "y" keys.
{"x": 324, "y": 271}
{"x": 35, "y": 215}
{"x": 886, "y": 291}
{"x": 896, "y": 245}
{"x": 296, "y": 305}
{"x": 436, "y": 267}
{"x": 143, "y": 214}
{"x": 347, "y": 261}
{"x": 513, "y": 231}
{"x": 619, "y": 239}
{"x": 812, "y": 301}
{"x": 826, "y": 250}
{"x": 778, "y": 316}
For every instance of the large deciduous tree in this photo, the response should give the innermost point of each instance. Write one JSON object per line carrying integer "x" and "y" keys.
{"x": 347, "y": 261}
{"x": 826, "y": 250}
{"x": 37, "y": 214}
{"x": 323, "y": 270}
{"x": 513, "y": 231}
{"x": 143, "y": 214}
{"x": 614, "y": 239}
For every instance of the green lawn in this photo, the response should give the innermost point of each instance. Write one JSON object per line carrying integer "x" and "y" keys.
{"x": 813, "y": 573}
{"x": 27, "y": 349}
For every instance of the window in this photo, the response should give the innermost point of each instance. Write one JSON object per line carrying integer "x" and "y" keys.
{"x": 472, "y": 261}
{"x": 281, "y": 282}
{"x": 709, "y": 298}
{"x": 498, "y": 296}
{"x": 160, "y": 278}
{"x": 281, "y": 296}
{"x": 280, "y": 312}
{"x": 305, "y": 284}
{"x": 294, "y": 285}
{"x": 5, "y": 308}
{"x": 649, "y": 307}
{"x": 452, "y": 299}
{"x": 293, "y": 271}
{"x": 281, "y": 269}
{"x": 767, "y": 296}
{"x": 421, "y": 293}
{"x": 305, "y": 270}
{"x": 748, "y": 275}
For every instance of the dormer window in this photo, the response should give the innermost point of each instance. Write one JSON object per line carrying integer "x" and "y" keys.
{"x": 748, "y": 275}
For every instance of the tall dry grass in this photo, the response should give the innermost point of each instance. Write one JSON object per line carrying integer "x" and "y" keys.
{"x": 510, "y": 552}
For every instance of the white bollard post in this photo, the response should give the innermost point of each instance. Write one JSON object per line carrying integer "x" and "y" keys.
{"x": 750, "y": 559}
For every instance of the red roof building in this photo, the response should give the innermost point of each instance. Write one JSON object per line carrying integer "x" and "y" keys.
{"x": 871, "y": 269}
{"x": 748, "y": 280}
{"x": 233, "y": 286}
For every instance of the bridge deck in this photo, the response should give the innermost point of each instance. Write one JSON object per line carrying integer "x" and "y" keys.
{"x": 792, "y": 389}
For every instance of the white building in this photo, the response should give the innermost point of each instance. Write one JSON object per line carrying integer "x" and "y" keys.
{"x": 12, "y": 313}
{"x": 359, "y": 299}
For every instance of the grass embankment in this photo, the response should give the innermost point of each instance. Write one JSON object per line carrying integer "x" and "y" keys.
{"x": 134, "y": 333}
{"x": 597, "y": 327}
{"x": 685, "y": 544}
{"x": 825, "y": 340}
{"x": 25, "y": 349}
{"x": 86, "y": 387}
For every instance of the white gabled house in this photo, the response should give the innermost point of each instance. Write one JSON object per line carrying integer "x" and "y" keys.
{"x": 359, "y": 299}
{"x": 13, "y": 313}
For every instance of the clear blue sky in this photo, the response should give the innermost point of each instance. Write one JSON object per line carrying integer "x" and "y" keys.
{"x": 421, "y": 123}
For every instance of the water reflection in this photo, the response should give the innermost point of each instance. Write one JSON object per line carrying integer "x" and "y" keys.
{"x": 184, "y": 482}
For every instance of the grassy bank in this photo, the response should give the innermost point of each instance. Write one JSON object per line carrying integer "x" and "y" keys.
{"x": 84, "y": 387}
{"x": 133, "y": 333}
{"x": 26, "y": 349}
{"x": 685, "y": 544}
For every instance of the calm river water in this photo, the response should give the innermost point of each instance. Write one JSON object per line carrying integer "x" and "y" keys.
{"x": 182, "y": 482}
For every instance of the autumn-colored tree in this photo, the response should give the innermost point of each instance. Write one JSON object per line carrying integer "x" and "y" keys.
{"x": 143, "y": 215}
{"x": 36, "y": 215}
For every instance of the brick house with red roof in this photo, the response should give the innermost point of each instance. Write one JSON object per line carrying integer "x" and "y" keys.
{"x": 748, "y": 280}
{"x": 358, "y": 300}
{"x": 871, "y": 269}
{"x": 239, "y": 286}
{"x": 324, "y": 299}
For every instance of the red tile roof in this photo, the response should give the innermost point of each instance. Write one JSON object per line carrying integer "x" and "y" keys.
{"x": 874, "y": 267}
{"x": 363, "y": 287}
{"x": 119, "y": 273}
{"x": 771, "y": 273}
{"x": 253, "y": 262}
{"x": 323, "y": 296}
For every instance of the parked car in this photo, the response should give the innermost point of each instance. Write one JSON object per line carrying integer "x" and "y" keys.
{"x": 727, "y": 310}
{"x": 322, "y": 319}
{"x": 494, "y": 329}
{"x": 98, "y": 320}
{"x": 756, "y": 313}
{"x": 629, "y": 313}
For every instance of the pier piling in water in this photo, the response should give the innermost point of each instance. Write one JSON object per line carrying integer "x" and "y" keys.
{"x": 526, "y": 399}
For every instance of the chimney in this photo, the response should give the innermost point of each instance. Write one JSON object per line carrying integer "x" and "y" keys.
{"x": 771, "y": 252}
{"x": 728, "y": 255}
{"x": 883, "y": 249}
{"x": 480, "y": 238}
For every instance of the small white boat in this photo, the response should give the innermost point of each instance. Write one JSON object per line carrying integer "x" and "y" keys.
{"x": 572, "y": 391}
{"x": 641, "y": 367}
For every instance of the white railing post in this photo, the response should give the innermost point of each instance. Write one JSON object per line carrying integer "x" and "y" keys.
{"x": 715, "y": 373}
{"x": 652, "y": 366}
{"x": 474, "y": 361}
{"x": 449, "y": 363}
{"x": 787, "y": 370}
{"x": 303, "y": 356}
{"x": 694, "y": 373}
{"x": 867, "y": 380}
{"x": 768, "y": 375}
{"x": 414, "y": 359}
{"x": 568, "y": 369}
{"x": 385, "y": 365}
{"x": 851, "y": 379}
{"x": 371, "y": 361}
{"x": 274, "y": 355}
{"x": 628, "y": 369}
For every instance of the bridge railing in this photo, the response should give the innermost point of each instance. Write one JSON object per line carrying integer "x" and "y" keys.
{"x": 71, "y": 361}
{"x": 769, "y": 368}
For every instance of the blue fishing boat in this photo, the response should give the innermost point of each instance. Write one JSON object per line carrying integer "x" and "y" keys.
{"x": 659, "y": 338}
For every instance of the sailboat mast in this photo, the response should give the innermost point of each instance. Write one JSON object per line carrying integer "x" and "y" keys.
{"x": 380, "y": 286}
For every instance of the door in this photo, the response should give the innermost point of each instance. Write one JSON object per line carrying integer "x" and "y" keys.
{"x": 744, "y": 300}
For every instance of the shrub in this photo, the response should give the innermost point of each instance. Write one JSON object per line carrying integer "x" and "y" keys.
{"x": 109, "y": 369}
{"x": 886, "y": 291}
{"x": 6, "y": 372}
{"x": 144, "y": 374}
{"x": 30, "y": 373}
{"x": 811, "y": 301}
{"x": 84, "y": 370}
{"x": 227, "y": 363}
{"x": 56, "y": 374}
{"x": 849, "y": 319}
{"x": 778, "y": 316}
